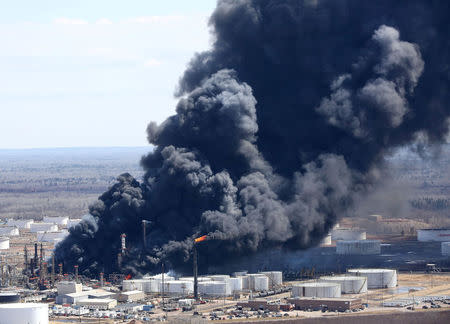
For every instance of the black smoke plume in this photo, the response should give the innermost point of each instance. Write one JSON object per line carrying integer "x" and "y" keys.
{"x": 278, "y": 128}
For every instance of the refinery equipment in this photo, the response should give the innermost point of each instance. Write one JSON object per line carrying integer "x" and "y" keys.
{"x": 377, "y": 278}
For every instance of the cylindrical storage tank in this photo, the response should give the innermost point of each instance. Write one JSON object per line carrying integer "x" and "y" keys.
{"x": 240, "y": 273}
{"x": 9, "y": 297}
{"x": 326, "y": 240}
{"x": 177, "y": 287}
{"x": 9, "y": 231}
{"x": 214, "y": 288}
{"x": 43, "y": 227}
{"x": 219, "y": 277}
{"x": 433, "y": 235}
{"x": 365, "y": 247}
{"x": 275, "y": 278}
{"x": 24, "y": 313}
{"x": 20, "y": 223}
{"x": 349, "y": 284}
{"x": 317, "y": 289}
{"x": 133, "y": 284}
{"x": 235, "y": 284}
{"x": 377, "y": 278}
{"x": 61, "y": 220}
{"x": 4, "y": 243}
{"x": 260, "y": 283}
{"x": 347, "y": 234}
{"x": 445, "y": 248}
{"x": 245, "y": 282}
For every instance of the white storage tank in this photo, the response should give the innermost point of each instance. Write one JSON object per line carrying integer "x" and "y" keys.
{"x": 219, "y": 277}
{"x": 347, "y": 234}
{"x": 214, "y": 288}
{"x": 4, "y": 243}
{"x": 43, "y": 227}
{"x": 51, "y": 236}
{"x": 20, "y": 223}
{"x": 133, "y": 284}
{"x": 177, "y": 287}
{"x": 377, "y": 278}
{"x": 72, "y": 222}
{"x": 433, "y": 235}
{"x": 317, "y": 289}
{"x": 445, "y": 248}
{"x": 260, "y": 283}
{"x": 365, "y": 247}
{"x": 61, "y": 220}
{"x": 349, "y": 284}
{"x": 24, "y": 313}
{"x": 245, "y": 282}
{"x": 275, "y": 278}
{"x": 326, "y": 240}
{"x": 235, "y": 284}
{"x": 9, "y": 231}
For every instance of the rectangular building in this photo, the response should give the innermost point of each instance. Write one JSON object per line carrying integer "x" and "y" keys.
{"x": 331, "y": 304}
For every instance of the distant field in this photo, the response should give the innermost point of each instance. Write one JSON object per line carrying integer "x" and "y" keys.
{"x": 55, "y": 182}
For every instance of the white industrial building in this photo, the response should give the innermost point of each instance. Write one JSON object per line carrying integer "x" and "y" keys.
{"x": 43, "y": 227}
{"x": 9, "y": 231}
{"x": 76, "y": 297}
{"x": 349, "y": 284}
{"x": 61, "y": 220}
{"x": 317, "y": 289}
{"x": 358, "y": 247}
{"x": 445, "y": 248}
{"x": 347, "y": 234}
{"x": 377, "y": 278}
{"x": 275, "y": 278}
{"x": 20, "y": 223}
{"x": 4, "y": 243}
{"x": 131, "y": 296}
{"x": 24, "y": 313}
{"x": 433, "y": 235}
{"x": 68, "y": 287}
{"x": 98, "y": 303}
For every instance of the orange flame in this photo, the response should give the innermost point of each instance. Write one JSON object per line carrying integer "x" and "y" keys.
{"x": 128, "y": 277}
{"x": 201, "y": 239}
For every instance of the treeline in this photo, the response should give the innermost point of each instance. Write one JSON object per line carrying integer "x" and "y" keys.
{"x": 430, "y": 203}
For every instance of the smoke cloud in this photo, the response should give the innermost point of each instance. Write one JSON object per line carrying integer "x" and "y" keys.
{"x": 279, "y": 128}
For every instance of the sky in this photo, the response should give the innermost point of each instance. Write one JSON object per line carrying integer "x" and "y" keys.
{"x": 93, "y": 72}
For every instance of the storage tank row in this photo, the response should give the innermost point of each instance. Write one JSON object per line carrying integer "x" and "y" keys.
{"x": 377, "y": 278}
{"x": 317, "y": 289}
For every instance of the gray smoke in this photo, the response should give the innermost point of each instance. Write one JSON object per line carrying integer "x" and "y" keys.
{"x": 279, "y": 128}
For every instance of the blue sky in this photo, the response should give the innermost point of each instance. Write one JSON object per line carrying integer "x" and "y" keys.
{"x": 93, "y": 73}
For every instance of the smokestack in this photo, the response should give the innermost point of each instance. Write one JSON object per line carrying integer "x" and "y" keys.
{"x": 144, "y": 241}
{"x": 60, "y": 270}
{"x": 123, "y": 243}
{"x": 53, "y": 269}
{"x": 76, "y": 272}
{"x": 101, "y": 279}
{"x": 194, "y": 262}
{"x": 25, "y": 255}
{"x": 35, "y": 261}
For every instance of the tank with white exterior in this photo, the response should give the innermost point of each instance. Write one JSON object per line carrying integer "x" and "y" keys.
{"x": 177, "y": 287}
{"x": 51, "y": 236}
{"x": 198, "y": 278}
{"x": 72, "y": 222}
{"x": 59, "y": 220}
{"x": 4, "y": 243}
{"x": 317, "y": 289}
{"x": 214, "y": 288}
{"x": 377, "y": 278}
{"x": 433, "y": 235}
{"x": 219, "y": 277}
{"x": 235, "y": 284}
{"x": 326, "y": 240}
{"x": 133, "y": 284}
{"x": 347, "y": 234}
{"x": 43, "y": 227}
{"x": 349, "y": 284}
{"x": 261, "y": 283}
{"x": 9, "y": 231}
{"x": 364, "y": 247}
{"x": 245, "y": 282}
{"x": 24, "y": 313}
{"x": 275, "y": 278}
{"x": 445, "y": 248}
{"x": 240, "y": 273}
{"x": 20, "y": 223}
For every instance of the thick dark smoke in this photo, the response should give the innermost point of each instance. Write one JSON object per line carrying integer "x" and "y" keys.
{"x": 279, "y": 127}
